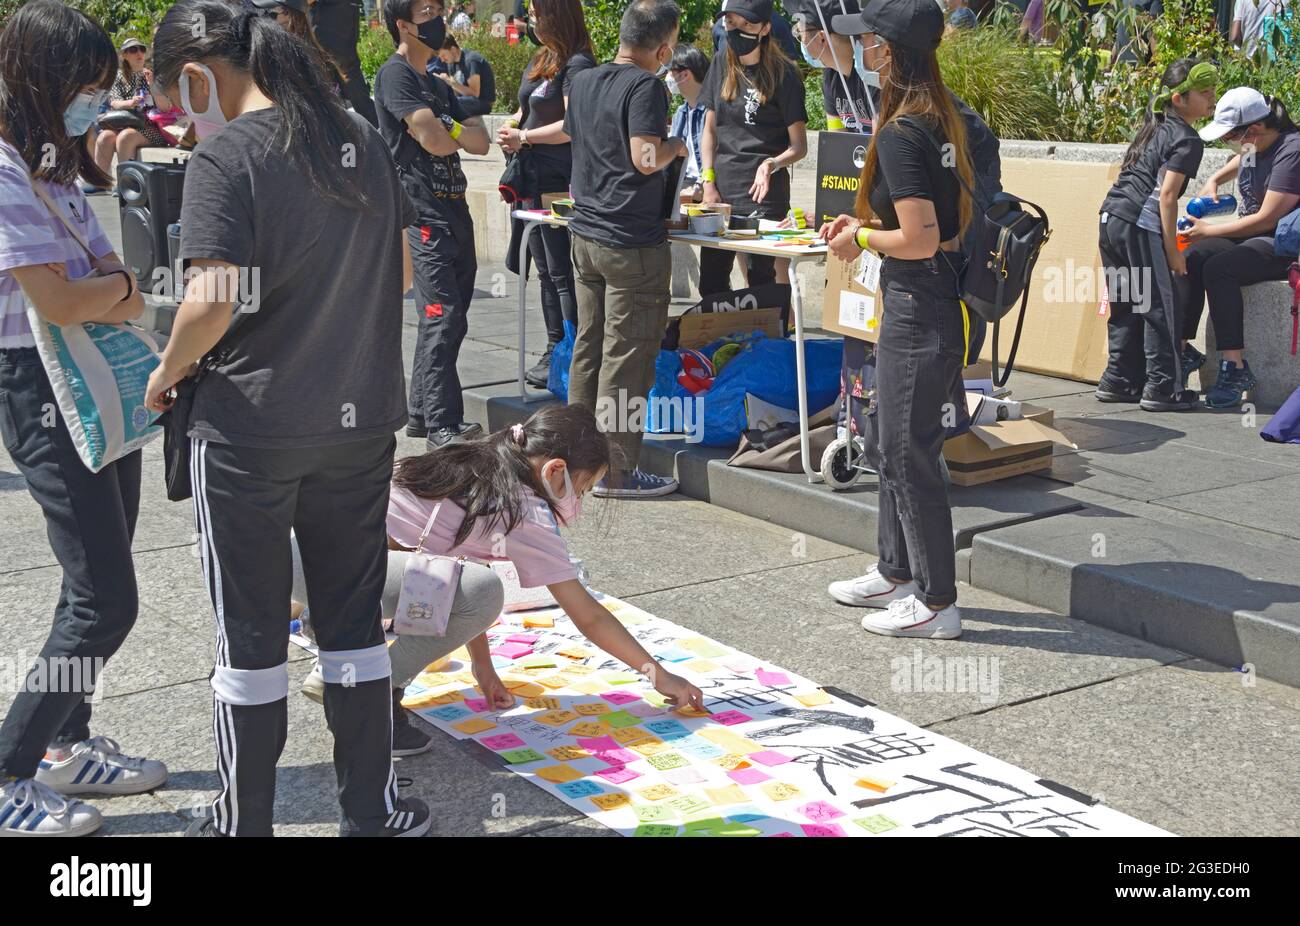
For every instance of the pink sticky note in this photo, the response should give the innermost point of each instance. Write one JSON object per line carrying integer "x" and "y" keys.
{"x": 739, "y": 666}
{"x": 502, "y": 741}
{"x": 618, "y": 774}
{"x": 766, "y": 677}
{"x": 773, "y": 835}
{"x": 820, "y": 812}
{"x": 478, "y": 705}
{"x": 770, "y": 757}
{"x": 620, "y": 697}
{"x": 748, "y": 776}
{"x": 598, "y": 743}
{"x": 616, "y": 756}
{"x": 512, "y": 650}
{"x": 644, "y": 710}
{"x": 731, "y": 717}
{"x": 822, "y": 829}
{"x": 529, "y": 638}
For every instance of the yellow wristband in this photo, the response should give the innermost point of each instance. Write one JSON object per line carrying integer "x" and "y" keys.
{"x": 862, "y": 237}
{"x": 708, "y": 175}
{"x": 454, "y": 131}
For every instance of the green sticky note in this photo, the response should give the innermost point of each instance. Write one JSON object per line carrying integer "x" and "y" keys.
{"x": 666, "y": 760}
{"x": 653, "y": 813}
{"x": 621, "y": 678}
{"x": 655, "y": 829}
{"x": 687, "y": 804}
{"x": 876, "y": 823}
{"x": 537, "y": 662}
{"x": 736, "y": 829}
{"x": 655, "y": 698}
{"x": 521, "y": 756}
{"x": 618, "y": 719}
{"x": 707, "y": 823}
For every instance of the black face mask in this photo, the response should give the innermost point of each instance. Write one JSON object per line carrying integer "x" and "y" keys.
{"x": 432, "y": 32}
{"x": 742, "y": 43}
{"x": 532, "y": 36}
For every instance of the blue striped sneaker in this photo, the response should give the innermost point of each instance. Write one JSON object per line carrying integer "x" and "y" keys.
{"x": 97, "y": 766}
{"x": 29, "y": 808}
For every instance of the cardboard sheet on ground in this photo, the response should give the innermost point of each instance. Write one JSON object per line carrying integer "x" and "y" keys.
{"x": 776, "y": 757}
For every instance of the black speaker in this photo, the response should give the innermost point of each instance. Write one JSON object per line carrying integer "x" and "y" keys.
{"x": 149, "y": 197}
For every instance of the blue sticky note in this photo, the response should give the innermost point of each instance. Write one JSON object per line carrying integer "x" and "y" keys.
{"x": 501, "y": 662}
{"x": 747, "y": 817}
{"x": 414, "y": 689}
{"x": 581, "y": 788}
{"x": 450, "y": 712}
{"x": 698, "y": 747}
{"x": 674, "y": 654}
{"x": 667, "y": 729}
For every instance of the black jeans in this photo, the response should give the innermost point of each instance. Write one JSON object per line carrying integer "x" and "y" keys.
{"x": 550, "y": 249}
{"x": 444, "y": 263}
{"x": 335, "y": 500}
{"x": 337, "y": 24}
{"x": 715, "y": 270}
{"x": 918, "y": 386}
{"x": 1144, "y": 315}
{"x": 90, "y": 520}
{"x": 1217, "y": 269}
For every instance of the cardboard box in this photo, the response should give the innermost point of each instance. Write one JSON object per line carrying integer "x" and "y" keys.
{"x": 848, "y": 307}
{"x": 698, "y": 329}
{"x": 978, "y": 377}
{"x": 988, "y": 452}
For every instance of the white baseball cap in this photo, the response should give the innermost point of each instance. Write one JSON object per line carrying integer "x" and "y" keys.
{"x": 1238, "y": 107}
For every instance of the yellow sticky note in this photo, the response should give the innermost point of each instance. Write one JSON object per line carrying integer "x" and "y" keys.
{"x": 574, "y": 652}
{"x": 435, "y": 679}
{"x": 658, "y": 792}
{"x": 543, "y": 704}
{"x": 588, "y": 688}
{"x": 579, "y": 670}
{"x": 703, "y": 666}
{"x": 610, "y": 801}
{"x": 568, "y": 753}
{"x": 687, "y": 710}
{"x": 629, "y": 736}
{"x": 731, "y": 762}
{"x": 592, "y": 707}
{"x": 587, "y": 728}
{"x": 731, "y": 794}
{"x": 525, "y": 689}
{"x": 873, "y": 783}
{"x": 651, "y": 747}
{"x": 554, "y": 682}
{"x": 415, "y": 702}
{"x": 473, "y": 725}
{"x": 732, "y": 742}
{"x": 779, "y": 790}
{"x": 559, "y": 773}
{"x": 539, "y": 620}
{"x": 813, "y": 698}
{"x": 555, "y": 718}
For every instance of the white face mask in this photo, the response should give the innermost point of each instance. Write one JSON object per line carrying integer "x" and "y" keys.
{"x": 672, "y": 85}
{"x": 210, "y": 120}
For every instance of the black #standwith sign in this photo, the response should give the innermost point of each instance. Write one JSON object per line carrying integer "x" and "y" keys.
{"x": 840, "y": 156}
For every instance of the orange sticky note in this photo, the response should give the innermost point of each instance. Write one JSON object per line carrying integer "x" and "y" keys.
{"x": 543, "y": 704}
{"x": 558, "y": 773}
{"x": 872, "y": 783}
{"x": 631, "y": 735}
{"x": 587, "y": 728}
{"x": 687, "y": 710}
{"x": 658, "y": 792}
{"x": 574, "y": 652}
{"x": 555, "y": 718}
{"x": 525, "y": 689}
{"x": 568, "y": 753}
{"x": 813, "y": 698}
{"x": 539, "y": 620}
{"x": 554, "y": 682}
{"x": 580, "y": 670}
{"x": 731, "y": 762}
{"x": 610, "y": 801}
{"x": 473, "y": 725}
{"x": 592, "y": 707}
{"x": 779, "y": 790}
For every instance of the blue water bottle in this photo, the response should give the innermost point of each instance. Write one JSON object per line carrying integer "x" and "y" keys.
{"x": 1205, "y": 206}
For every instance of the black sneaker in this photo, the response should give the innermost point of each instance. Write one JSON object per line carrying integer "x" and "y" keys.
{"x": 1113, "y": 392}
{"x": 203, "y": 827}
{"x": 540, "y": 374}
{"x": 441, "y": 438}
{"x": 636, "y": 484}
{"x": 469, "y": 430}
{"x": 1182, "y": 401}
{"x": 407, "y": 739}
{"x": 1231, "y": 386}
{"x": 410, "y": 818}
{"x": 1191, "y": 361}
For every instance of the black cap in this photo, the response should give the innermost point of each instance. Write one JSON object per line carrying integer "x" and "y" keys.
{"x": 299, "y": 5}
{"x": 829, "y": 9}
{"x": 911, "y": 23}
{"x": 756, "y": 11}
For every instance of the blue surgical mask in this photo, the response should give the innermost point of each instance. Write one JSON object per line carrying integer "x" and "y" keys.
{"x": 812, "y": 62}
{"x": 868, "y": 77}
{"x": 81, "y": 113}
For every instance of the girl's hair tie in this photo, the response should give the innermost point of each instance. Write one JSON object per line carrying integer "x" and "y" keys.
{"x": 517, "y": 432}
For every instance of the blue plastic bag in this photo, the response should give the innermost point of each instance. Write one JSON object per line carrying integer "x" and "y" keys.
{"x": 558, "y": 379}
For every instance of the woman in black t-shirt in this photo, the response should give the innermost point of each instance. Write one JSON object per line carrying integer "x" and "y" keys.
{"x": 538, "y": 129}
{"x": 912, "y": 206}
{"x": 754, "y": 129}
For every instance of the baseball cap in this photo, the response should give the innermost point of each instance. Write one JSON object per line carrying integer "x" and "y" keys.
{"x": 132, "y": 43}
{"x": 299, "y": 5}
{"x": 910, "y": 23}
{"x": 756, "y": 11}
{"x": 1238, "y": 107}
{"x": 829, "y": 9}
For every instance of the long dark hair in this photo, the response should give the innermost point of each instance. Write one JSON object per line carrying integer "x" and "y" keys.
{"x": 914, "y": 87}
{"x": 1174, "y": 75}
{"x": 566, "y": 35}
{"x": 300, "y": 26}
{"x": 314, "y": 126}
{"x": 1278, "y": 118}
{"x": 486, "y": 477}
{"x": 773, "y": 66}
{"x": 48, "y": 53}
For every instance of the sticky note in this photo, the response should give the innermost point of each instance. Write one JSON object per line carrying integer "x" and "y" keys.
{"x": 741, "y": 665}
{"x": 582, "y": 788}
{"x": 655, "y": 698}
{"x": 501, "y": 662}
{"x": 581, "y": 670}
{"x": 687, "y": 775}
{"x": 596, "y": 743}
{"x": 588, "y": 688}
{"x": 731, "y": 717}
{"x": 650, "y": 747}
{"x": 450, "y": 712}
{"x": 876, "y": 823}
{"x": 736, "y": 828}
{"x": 701, "y": 666}
{"x": 731, "y": 794}
{"x": 687, "y": 710}
{"x": 538, "y": 662}
{"x": 618, "y": 719}
{"x": 478, "y": 705}
{"x": 875, "y": 783}
{"x": 667, "y": 728}
{"x": 658, "y": 792}
{"x": 587, "y": 729}
{"x": 822, "y": 829}
{"x": 620, "y": 697}
{"x": 621, "y": 678}
{"x": 730, "y": 740}
{"x": 512, "y": 650}
{"x": 813, "y": 698}
{"x": 473, "y": 725}
{"x": 748, "y": 776}
{"x": 502, "y": 741}
{"x": 643, "y": 710}
{"x": 525, "y": 689}
{"x": 617, "y": 774}
{"x": 731, "y": 761}
{"x": 543, "y": 704}
{"x": 420, "y": 701}
{"x": 616, "y": 756}
{"x": 554, "y": 682}
{"x": 667, "y": 760}
{"x": 559, "y": 773}
{"x": 779, "y": 790}
{"x": 538, "y": 620}
{"x": 699, "y": 748}
{"x": 568, "y": 753}
{"x": 629, "y": 736}
{"x": 688, "y": 804}
{"x": 770, "y": 757}
{"x": 702, "y": 647}
{"x": 522, "y": 756}
{"x": 556, "y": 718}
{"x": 674, "y": 654}
{"x": 655, "y": 829}
{"x": 653, "y": 813}
{"x": 611, "y": 801}
{"x": 592, "y": 707}
{"x": 526, "y": 638}
{"x": 768, "y": 677}
{"x": 820, "y": 811}
{"x": 574, "y": 652}
{"x": 707, "y": 823}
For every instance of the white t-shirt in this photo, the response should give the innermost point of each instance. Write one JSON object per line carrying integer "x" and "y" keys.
{"x": 1251, "y": 13}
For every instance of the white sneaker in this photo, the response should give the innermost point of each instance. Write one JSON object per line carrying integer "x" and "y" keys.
{"x": 870, "y": 591}
{"x": 97, "y": 766}
{"x": 910, "y": 617}
{"x": 313, "y": 686}
{"x": 29, "y": 808}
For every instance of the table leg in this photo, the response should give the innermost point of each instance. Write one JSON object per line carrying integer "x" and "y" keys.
{"x": 801, "y": 373}
{"x": 523, "y": 309}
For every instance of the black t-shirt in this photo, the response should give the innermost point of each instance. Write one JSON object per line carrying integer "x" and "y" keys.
{"x": 318, "y": 360}
{"x": 614, "y": 203}
{"x": 1174, "y": 146}
{"x": 749, "y": 131}
{"x": 471, "y": 63}
{"x": 837, "y": 100}
{"x": 910, "y": 166}
{"x": 436, "y": 184}
{"x": 542, "y": 102}
{"x": 1278, "y": 169}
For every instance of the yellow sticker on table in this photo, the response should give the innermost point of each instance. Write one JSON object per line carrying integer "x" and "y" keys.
{"x": 554, "y": 682}
{"x": 568, "y": 753}
{"x": 525, "y": 689}
{"x": 731, "y": 794}
{"x": 611, "y": 801}
{"x": 658, "y": 792}
{"x": 543, "y": 704}
{"x": 587, "y": 729}
{"x": 592, "y": 707}
{"x": 539, "y": 620}
{"x": 575, "y": 652}
{"x": 779, "y": 790}
{"x": 630, "y": 736}
{"x": 730, "y": 741}
{"x": 555, "y": 718}
{"x": 875, "y": 783}
{"x": 473, "y": 725}
{"x": 651, "y": 747}
{"x": 588, "y": 688}
{"x": 559, "y": 773}
{"x": 580, "y": 670}
{"x": 813, "y": 698}
{"x": 702, "y": 666}
{"x": 731, "y": 762}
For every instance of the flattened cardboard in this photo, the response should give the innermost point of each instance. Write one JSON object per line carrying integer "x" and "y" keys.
{"x": 697, "y": 330}
{"x": 990, "y": 452}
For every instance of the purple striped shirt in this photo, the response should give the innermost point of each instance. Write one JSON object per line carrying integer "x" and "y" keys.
{"x": 30, "y": 235}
